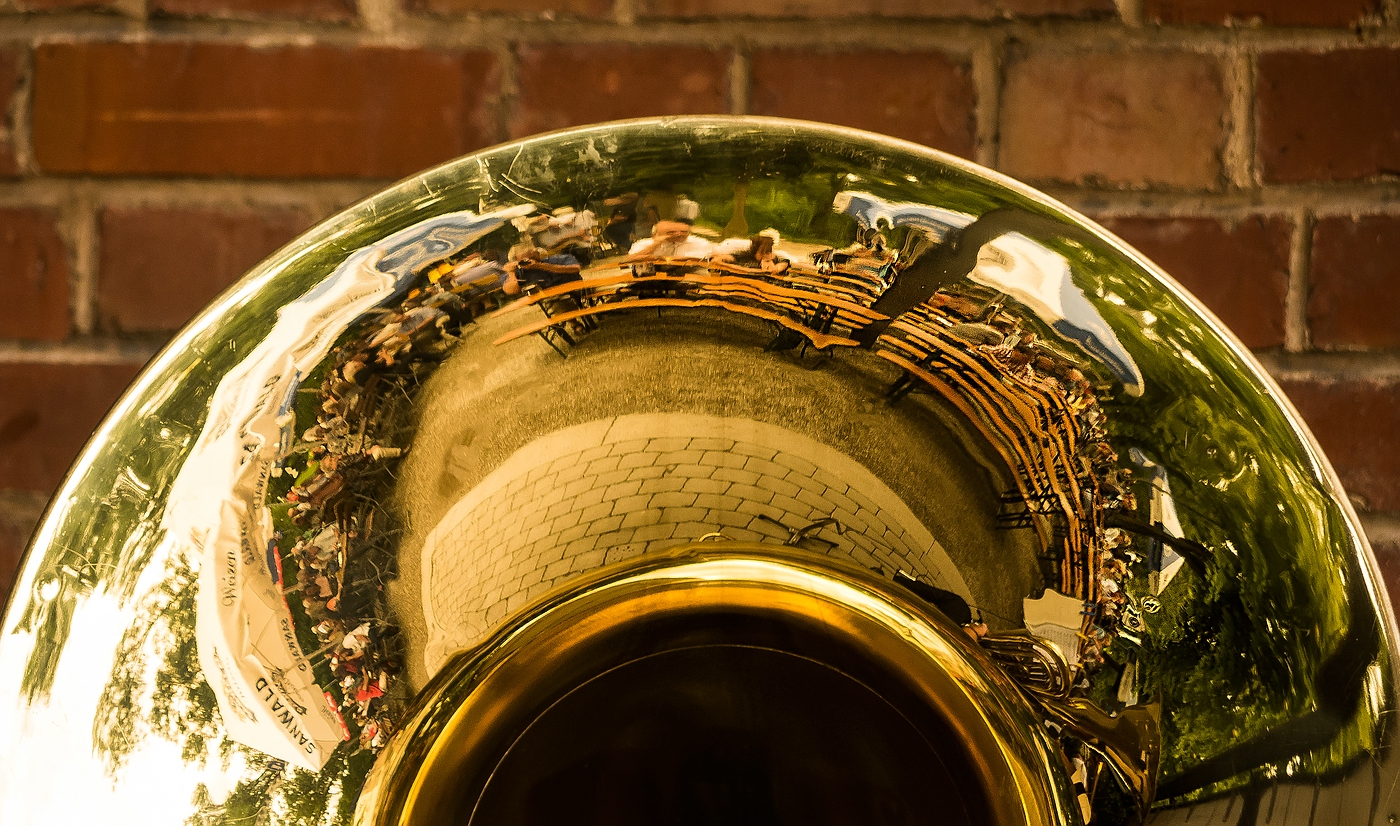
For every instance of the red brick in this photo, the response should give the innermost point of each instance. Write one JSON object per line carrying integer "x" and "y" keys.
{"x": 567, "y": 85}
{"x": 167, "y": 108}
{"x": 1330, "y": 117}
{"x": 33, "y": 276}
{"x": 1388, "y": 560}
{"x": 1355, "y": 298}
{"x": 47, "y": 412}
{"x": 161, "y": 266}
{"x": 934, "y": 103}
{"x": 1120, "y": 119}
{"x": 1355, "y": 422}
{"x": 1268, "y": 12}
{"x": 1240, "y": 272}
{"x": 13, "y": 539}
{"x": 302, "y": 9}
{"x": 980, "y": 9}
{"x": 549, "y": 9}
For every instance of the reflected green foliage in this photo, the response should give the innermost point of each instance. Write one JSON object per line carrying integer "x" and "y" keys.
{"x": 1239, "y": 652}
{"x": 157, "y": 689}
{"x": 113, "y": 540}
{"x": 156, "y": 686}
{"x": 273, "y": 793}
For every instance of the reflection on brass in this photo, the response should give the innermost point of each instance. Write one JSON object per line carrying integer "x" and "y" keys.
{"x": 726, "y": 598}
{"x": 1129, "y": 741}
{"x": 1035, "y": 663}
{"x": 760, "y": 470}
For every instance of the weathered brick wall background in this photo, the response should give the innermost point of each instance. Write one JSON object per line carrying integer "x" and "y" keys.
{"x": 152, "y": 150}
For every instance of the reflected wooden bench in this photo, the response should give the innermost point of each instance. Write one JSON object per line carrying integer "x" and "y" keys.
{"x": 818, "y": 339}
{"x": 748, "y": 291}
{"x": 1034, "y": 432}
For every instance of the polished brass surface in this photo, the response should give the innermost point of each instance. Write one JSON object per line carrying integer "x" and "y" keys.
{"x": 746, "y": 598}
{"x": 429, "y": 467}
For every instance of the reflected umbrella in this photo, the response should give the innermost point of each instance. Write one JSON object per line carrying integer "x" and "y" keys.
{"x": 1039, "y": 278}
{"x": 870, "y": 210}
{"x": 248, "y": 646}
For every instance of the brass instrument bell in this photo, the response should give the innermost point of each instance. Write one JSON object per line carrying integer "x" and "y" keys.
{"x": 701, "y": 470}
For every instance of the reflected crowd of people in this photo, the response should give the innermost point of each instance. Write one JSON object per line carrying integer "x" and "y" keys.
{"x": 343, "y": 559}
{"x": 1097, "y": 560}
{"x": 649, "y": 247}
{"x": 564, "y": 258}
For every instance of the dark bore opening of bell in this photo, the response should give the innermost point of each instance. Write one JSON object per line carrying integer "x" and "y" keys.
{"x": 733, "y": 735}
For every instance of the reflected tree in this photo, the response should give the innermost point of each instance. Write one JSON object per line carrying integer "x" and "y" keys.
{"x": 106, "y": 544}
{"x": 156, "y": 686}
{"x": 275, "y": 793}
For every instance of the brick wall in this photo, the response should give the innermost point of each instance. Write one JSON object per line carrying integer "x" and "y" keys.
{"x": 151, "y": 150}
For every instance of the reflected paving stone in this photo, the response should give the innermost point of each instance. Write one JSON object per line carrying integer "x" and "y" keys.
{"x": 160, "y": 266}
{"x": 934, "y": 104}
{"x": 202, "y": 108}
{"x": 1126, "y": 119}
{"x": 1240, "y": 272}
{"x": 33, "y": 276}
{"x": 610, "y": 490}
{"x": 1355, "y": 285}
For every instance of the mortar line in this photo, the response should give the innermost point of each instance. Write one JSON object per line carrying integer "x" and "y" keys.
{"x": 1321, "y": 200}
{"x": 1378, "y": 366}
{"x": 1381, "y": 527}
{"x": 508, "y": 103}
{"x": 625, "y": 12}
{"x": 740, "y": 81}
{"x": 20, "y": 138}
{"x": 987, "y": 65}
{"x": 186, "y": 192}
{"x": 380, "y": 17}
{"x": 77, "y": 224}
{"x": 1238, "y": 156}
{"x": 1130, "y": 12}
{"x": 1295, "y": 303}
{"x": 82, "y": 351}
